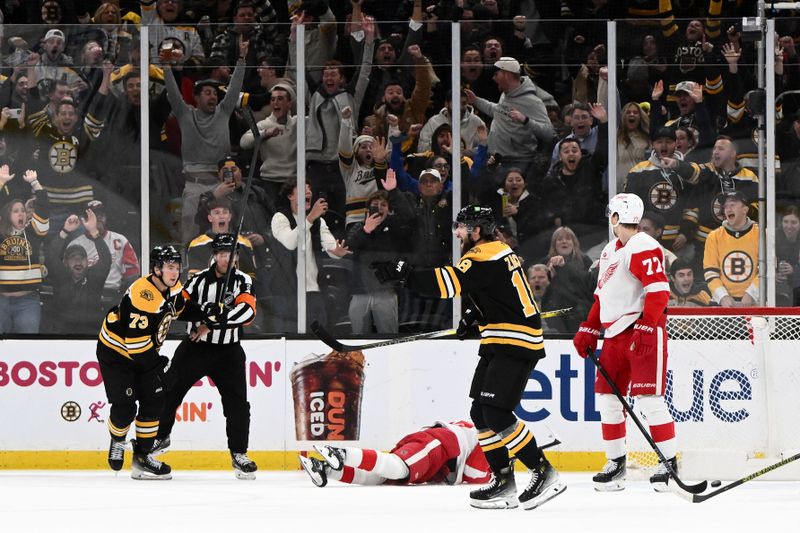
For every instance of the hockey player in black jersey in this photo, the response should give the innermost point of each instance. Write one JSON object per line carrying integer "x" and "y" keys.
{"x": 511, "y": 344}
{"x": 132, "y": 369}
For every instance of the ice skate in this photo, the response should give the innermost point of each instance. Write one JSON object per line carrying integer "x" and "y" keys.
{"x": 315, "y": 470}
{"x": 146, "y": 467}
{"x": 501, "y": 493}
{"x": 334, "y": 457}
{"x": 243, "y": 466}
{"x": 545, "y": 484}
{"x": 116, "y": 454}
{"x": 612, "y": 477}
{"x": 160, "y": 446}
{"x": 661, "y": 477}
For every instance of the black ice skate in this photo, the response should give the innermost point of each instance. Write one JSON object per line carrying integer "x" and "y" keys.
{"x": 315, "y": 470}
{"x": 334, "y": 457}
{"x": 501, "y": 493}
{"x": 116, "y": 454}
{"x": 545, "y": 484}
{"x": 612, "y": 477}
{"x": 160, "y": 446}
{"x": 146, "y": 467}
{"x": 661, "y": 477}
{"x": 243, "y": 466}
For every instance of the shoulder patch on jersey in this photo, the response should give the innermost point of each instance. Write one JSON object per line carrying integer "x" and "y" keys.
{"x": 145, "y": 296}
{"x": 487, "y": 252}
{"x": 200, "y": 240}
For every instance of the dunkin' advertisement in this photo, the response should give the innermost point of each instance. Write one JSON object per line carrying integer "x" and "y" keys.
{"x": 327, "y": 391}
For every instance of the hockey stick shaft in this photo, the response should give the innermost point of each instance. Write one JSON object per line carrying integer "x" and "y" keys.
{"x": 251, "y": 123}
{"x": 323, "y": 335}
{"x": 697, "y": 498}
{"x": 693, "y": 489}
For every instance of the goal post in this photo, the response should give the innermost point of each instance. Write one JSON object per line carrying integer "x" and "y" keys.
{"x": 733, "y": 388}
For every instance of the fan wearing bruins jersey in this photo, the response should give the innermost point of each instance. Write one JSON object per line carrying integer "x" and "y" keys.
{"x": 511, "y": 344}
{"x": 730, "y": 261}
{"x": 722, "y": 175}
{"x": 663, "y": 183}
{"x": 132, "y": 369}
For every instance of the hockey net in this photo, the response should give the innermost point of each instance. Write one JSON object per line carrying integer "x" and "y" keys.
{"x": 733, "y": 388}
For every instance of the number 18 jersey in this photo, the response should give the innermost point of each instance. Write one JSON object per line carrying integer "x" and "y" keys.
{"x": 491, "y": 273}
{"x": 626, "y": 274}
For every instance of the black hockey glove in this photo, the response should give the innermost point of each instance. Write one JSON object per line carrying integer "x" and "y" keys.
{"x": 213, "y": 314}
{"x": 467, "y": 325}
{"x": 394, "y": 270}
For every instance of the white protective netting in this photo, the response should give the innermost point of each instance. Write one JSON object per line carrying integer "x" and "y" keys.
{"x": 733, "y": 388}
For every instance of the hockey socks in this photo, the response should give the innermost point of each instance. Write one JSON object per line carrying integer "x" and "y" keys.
{"x": 515, "y": 440}
{"x": 386, "y": 465}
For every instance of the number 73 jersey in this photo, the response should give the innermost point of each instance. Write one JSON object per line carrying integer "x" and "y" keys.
{"x": 492, "y": 274}
{"x": 626, "y": 274}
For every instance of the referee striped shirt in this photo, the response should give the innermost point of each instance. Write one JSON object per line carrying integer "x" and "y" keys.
{"x": 240, "y": 306}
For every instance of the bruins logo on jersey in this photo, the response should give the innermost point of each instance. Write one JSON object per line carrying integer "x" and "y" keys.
{"x": 163, "y": 328}
{"x": 663, "y": 196}
{"x": 716, "y": 208}
{"x": 15, "y": 248}
{"x": 63, "y": 156}
{"x": 146, "y": 295}
{"x": 737, "y": 266}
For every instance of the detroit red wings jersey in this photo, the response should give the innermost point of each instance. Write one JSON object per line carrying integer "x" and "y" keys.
{"x": 471, "y": 465}
{"x": 626, "y": 274}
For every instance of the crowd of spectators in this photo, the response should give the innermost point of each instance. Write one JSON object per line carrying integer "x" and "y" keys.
{"x": 379, "y": 147}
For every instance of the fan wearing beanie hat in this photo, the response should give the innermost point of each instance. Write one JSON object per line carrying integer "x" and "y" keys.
{"x": 360, "y": 162}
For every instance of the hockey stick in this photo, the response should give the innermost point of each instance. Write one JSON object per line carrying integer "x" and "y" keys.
{"x": 698, "y": 498}
{"x": 693, "y": 489}
{"x": 323, "y": 335}
{"x": 222, "y": 297}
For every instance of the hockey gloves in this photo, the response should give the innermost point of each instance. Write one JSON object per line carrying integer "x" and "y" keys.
{"x": 213, "y": 313}
{"x": 643, "y": 339}
{"x": 394, "y": 270}
{"x": 471, "y": 318}
{"x": 585, "y": 340}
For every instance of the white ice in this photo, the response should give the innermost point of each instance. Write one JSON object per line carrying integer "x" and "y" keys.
{"x": 283, "y": 502}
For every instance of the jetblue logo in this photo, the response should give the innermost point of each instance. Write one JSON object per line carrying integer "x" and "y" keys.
{"x": 724, "y": 395}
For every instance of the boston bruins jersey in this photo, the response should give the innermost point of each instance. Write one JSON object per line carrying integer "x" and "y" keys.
{"x": 492, "y": 274}
{"x": 706, "y": 213}
{"x": 663, "y": 191}
{"x": 730, "y": 262}
{"x": 138, "y": 326}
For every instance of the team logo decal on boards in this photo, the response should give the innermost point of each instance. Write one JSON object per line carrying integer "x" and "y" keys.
{"x": 63, "y": 156}
{"x": 70, "y": 411}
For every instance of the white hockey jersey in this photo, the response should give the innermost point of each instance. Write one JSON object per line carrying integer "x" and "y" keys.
{"x": 626, "y": 274}
{"x": 471, "y": 465}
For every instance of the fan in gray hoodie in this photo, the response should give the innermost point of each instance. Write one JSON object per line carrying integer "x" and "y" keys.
{"x": 469, "y": 126}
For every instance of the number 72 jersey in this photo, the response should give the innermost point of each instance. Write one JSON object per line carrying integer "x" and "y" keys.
{"x": 626, "y": 274}
{"x": 492, "y": 274}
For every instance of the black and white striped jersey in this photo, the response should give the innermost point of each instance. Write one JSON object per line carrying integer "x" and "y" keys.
{"x": 240, "y": 308}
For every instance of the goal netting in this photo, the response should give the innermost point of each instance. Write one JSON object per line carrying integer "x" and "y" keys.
{"x": 733, "y": 388}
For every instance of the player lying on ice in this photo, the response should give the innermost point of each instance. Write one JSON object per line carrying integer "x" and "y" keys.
{"x": 443, "y": 452}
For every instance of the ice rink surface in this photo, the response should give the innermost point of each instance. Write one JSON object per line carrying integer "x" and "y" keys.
{"x": 282, "y": 502}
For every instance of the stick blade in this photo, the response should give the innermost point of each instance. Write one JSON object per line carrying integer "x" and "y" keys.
{"x": 323, "y": 335}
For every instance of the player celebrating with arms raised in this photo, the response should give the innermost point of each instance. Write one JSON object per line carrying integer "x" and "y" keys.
{"x": 630, "y": 303}
{"x": 511, "y": 344}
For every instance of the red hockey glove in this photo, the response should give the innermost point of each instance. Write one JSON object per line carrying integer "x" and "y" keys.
{"x": 643, "y": 338}
{"x": 586, "y": 339}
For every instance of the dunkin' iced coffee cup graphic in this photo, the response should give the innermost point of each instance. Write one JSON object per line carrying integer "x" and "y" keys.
{"x": 327, "y": 396}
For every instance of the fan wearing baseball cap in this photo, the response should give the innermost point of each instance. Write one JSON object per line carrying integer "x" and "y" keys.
{"x": 520, "y": 123}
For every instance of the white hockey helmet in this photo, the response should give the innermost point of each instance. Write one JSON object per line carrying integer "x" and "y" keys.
{"x": 627, "y": 206}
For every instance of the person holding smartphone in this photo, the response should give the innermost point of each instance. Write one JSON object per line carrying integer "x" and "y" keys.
{"x": 381, "y": 236}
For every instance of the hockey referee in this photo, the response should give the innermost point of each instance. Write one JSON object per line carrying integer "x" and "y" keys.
{"x": 216, "y": 352}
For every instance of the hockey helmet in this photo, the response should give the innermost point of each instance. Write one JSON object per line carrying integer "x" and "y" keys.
{"x": 477, "y": 216}
{"x": 164, "y": 254}
{"x": 223, "y": 242}
{"x": 627, "y": 206}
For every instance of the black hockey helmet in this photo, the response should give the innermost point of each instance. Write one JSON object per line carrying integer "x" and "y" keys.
{"x": 223, "y": 242}
{"x": 164, "y": 254}
{"x": 477, "y": 216}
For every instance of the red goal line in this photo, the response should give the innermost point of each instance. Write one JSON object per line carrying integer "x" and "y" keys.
{"x": 733, "y": 311}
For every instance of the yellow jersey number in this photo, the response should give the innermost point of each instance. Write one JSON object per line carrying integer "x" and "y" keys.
{"x": 521, "y": 284}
